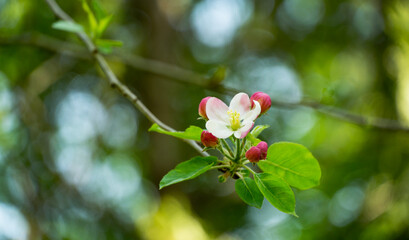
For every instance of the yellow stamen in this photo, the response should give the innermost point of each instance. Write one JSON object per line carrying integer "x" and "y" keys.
{"x": 234, "y": 120}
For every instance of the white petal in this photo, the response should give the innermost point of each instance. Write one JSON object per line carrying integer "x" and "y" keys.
{"x": 243, "y": 131}
{"x": 252, "y": 114}
{"x": 240, "y": 103}
{"x": 218, "y": 129}
{"x": 217, "y": 110}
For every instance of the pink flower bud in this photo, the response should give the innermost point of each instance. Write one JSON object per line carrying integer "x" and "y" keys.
{"x": 253, "y": 154}
{"x": 263, "y": 149}
{"x": 263, "y": 99}
{"x": 208, "y": 139}
{"x": 257, "y": 153}
{"x": 202, "y": 108}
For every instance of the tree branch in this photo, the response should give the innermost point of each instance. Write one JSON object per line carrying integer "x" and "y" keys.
{"x": 113, "y": 80}
{"x": 185, "y": 76}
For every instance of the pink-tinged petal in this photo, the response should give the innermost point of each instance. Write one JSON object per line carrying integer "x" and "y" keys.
{"x": 218, "y": 129}
{"x": 243, "y": 131}
{"x": 216, "y": 109}
{"x": 253, "y": 113}
{"x": 240, "y": 103}
{"x": 202, "y": 107}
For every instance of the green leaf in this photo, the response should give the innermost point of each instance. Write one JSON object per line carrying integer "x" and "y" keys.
{"x": 105, "y": 50}
{"x": 252, "y": 140}
{"x": 105, "y": 45}
{"x": 294, "y": 163}
{"x": 98, "y": 10}
{"x": 68, "y": 26}
{"x": 93, "y": 23}
{"x": 108, "y": 43}
{"x": 188, "y": 170}
{"x": 248, "y": 191}
{"x": 258, "y": 129}
{"x": 276, "y": 191}
{"x": 192, "y": 133}
{"x": 252, "y": 136}
{"x": 103, "y": 24}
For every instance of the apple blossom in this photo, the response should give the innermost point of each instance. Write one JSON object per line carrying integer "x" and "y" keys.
{"x": 237, "y": 152}
{"x": 236, "y": 119}
{"x": 263, "y": 99}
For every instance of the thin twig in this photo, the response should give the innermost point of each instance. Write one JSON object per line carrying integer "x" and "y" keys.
{"x": 113, "y": 80}
{"x": 185, "y": 76}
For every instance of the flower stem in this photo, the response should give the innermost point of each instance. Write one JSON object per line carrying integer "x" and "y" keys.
{"x": 221, "y": 161}
{"x": 227, "y": 146}
{"x": 224, "y": 152}
{"x": 238, "y": 150}
{"x": 251, "y": 170}
{"x": 243, "y": 145}
{"x": 241, "y": 176}
{"x": 220, "y": 166}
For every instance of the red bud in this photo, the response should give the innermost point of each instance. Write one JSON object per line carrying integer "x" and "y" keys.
{"x": 208, "y": 139}
{"x": 263, "y": 149}
{"x": 202, "y": 108}
{"x": 253, "y": 154}
{"x": 263, "y": 99}
{"x": 257, "y": 153}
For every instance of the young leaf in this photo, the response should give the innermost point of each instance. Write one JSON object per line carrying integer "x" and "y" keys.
{"x": 98, "y": 10}
{"x": 252, "y": 141}
{"x": 294, "y": 163}
{"x": 108, "y": 43}
{"x": 258, "y": 129}
{"x": 188, "y": 170}
{"x": 192, "y": 132}
{"x": 68, "y": 26}
{"x": 276, "y": 191}
{"x": 93, "y": 23}
{"x": 105, "y": 45}
{"x": 103, "y": 24}
{"x": 248, "y": 191}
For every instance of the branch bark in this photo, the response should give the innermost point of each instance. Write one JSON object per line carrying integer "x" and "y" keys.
{"x": 189, "y": 77}
{"x": 113, "y": 80}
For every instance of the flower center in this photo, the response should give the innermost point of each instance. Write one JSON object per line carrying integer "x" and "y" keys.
{"x": 234, "y": 120}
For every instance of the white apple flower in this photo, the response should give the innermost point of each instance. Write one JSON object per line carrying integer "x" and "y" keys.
{"x": 237, "y": 119}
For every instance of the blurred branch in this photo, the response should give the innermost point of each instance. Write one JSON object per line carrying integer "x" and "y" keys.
{"x": 113, "y": 80}
{"x": 185, "y": 76}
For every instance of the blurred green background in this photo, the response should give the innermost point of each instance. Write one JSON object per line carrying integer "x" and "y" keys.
{"x": 77, "y": 161}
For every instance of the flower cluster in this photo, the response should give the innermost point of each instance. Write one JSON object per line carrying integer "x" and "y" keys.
{"x": 230, "y": 129}
{"x": 234, "y": 122}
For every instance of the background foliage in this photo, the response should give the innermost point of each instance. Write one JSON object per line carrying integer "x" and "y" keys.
{"x": 77, "y": 161}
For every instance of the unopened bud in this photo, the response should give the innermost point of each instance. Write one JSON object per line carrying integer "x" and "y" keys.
{"x": 257, "y": 153}
{"x": 253, "y": 154}
{"x": 202, "y": 108}
{"x": 222, "y": 179}
{"x": 263, "y": 99}
{"x": 263, "y": 149}
{"x": 208, "y": 139}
